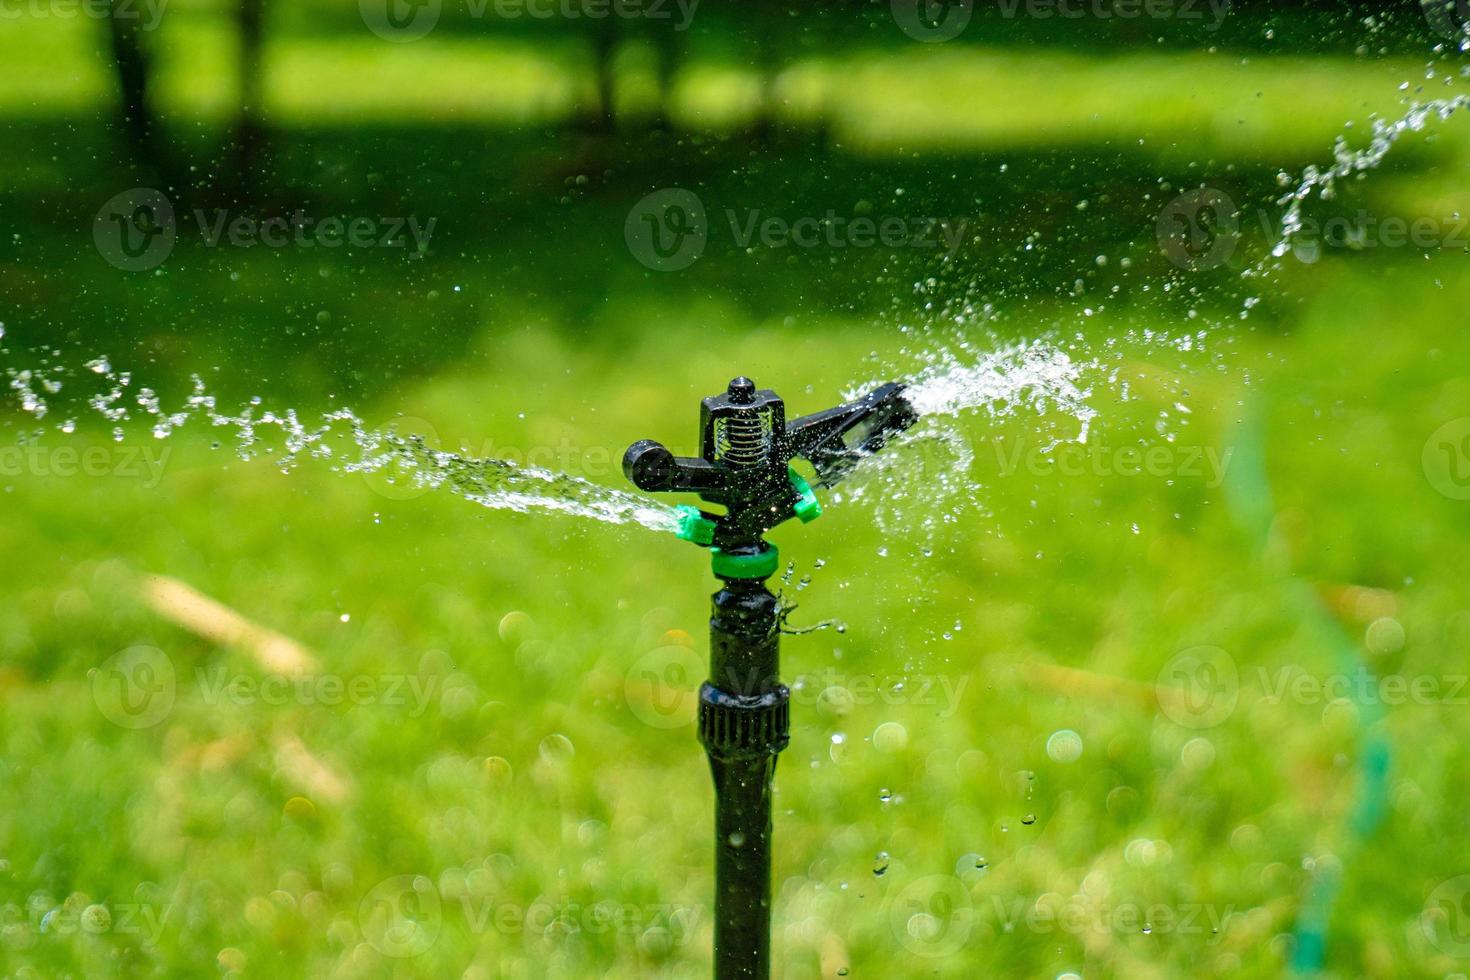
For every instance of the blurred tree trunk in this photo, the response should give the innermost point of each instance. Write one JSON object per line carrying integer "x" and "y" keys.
{"x": 133, "y": 65}
{"x": 248, "y": 141}
{"x": 666, "y": 52}
{"x": 767, "y": 65}
{"x": 603, "y": 118}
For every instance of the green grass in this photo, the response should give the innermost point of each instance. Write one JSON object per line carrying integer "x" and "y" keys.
{"x": 526, "y": 631}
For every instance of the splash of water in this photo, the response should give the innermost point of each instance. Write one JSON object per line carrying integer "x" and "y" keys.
{"x": 925, "y": 478}
{"x": 341, "y": 438}
{"x": 1036, "y": 374}
{"x": 1322, "y": 181}
{"x": 999, "y": 381}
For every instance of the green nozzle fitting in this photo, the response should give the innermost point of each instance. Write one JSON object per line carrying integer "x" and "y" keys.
{"x": 808, "y": 508}
{"x": 762, "y": 564}
{"x": 694, "y": 526}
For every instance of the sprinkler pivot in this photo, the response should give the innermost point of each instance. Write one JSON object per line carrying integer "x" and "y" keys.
{"x": 744, "y": 710}
{"x": 746, "y": 449}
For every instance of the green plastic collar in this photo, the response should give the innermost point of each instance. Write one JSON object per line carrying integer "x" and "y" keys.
{"x": 760, "y": 565}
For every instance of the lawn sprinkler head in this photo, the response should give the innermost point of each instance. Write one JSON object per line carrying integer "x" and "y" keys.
{"x": 746, "y": 449}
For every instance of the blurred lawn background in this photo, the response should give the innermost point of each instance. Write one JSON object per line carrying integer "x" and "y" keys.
{"x": 552, "y": 763}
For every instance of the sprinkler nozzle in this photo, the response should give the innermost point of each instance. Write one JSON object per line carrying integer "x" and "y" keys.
{"x": 745, "y": 461}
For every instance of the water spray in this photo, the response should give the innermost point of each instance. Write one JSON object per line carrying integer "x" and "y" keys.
{"x": 744, "y": 466}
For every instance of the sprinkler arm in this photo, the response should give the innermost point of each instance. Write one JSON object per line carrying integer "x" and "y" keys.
{"x": 822, "y": 438}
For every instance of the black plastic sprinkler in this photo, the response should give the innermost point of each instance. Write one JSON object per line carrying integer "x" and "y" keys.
{"x": 745, "y": 466}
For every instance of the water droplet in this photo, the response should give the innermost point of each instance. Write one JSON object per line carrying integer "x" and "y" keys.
{"x": 556, "y": 748}
{"x": 890, "y": 737}
{"x": 1064, "y": 745}
{"x": 880, "y": 864}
